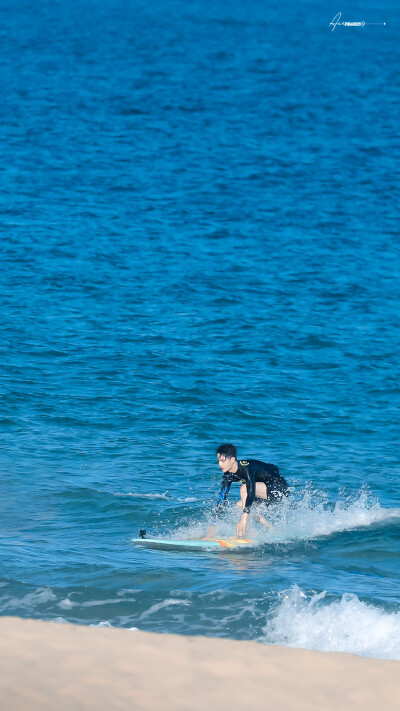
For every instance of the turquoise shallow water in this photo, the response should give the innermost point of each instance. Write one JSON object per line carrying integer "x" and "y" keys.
{"x": 200, "y": 244}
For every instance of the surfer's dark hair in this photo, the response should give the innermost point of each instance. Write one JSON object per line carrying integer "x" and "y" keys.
{"x": 227, "y": 450}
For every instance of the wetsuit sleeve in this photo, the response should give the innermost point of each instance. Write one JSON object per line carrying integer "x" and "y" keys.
{"x": 223, "y": 495}
{"x": 250, "y": 480}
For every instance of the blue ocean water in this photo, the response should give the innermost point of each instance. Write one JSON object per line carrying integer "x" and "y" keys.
{"x": 199, "y": 223}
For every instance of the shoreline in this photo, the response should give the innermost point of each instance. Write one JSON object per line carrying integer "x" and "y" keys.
{"x": 47, "y": 666}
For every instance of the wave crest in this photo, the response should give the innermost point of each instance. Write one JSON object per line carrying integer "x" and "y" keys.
{"x": 344, "y": 625}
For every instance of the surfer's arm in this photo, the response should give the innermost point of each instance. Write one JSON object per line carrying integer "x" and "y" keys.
{"x": 251, "y": 494}
{"x": 223, "y": 496}
{"x": 251, "y": 491}
{"x": 241, "y": 527}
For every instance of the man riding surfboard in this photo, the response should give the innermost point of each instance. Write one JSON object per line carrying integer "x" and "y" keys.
{"x": 259, "y": 482}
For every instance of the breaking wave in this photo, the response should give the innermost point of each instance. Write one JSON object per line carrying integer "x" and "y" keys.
{"x": 344, "y": 625}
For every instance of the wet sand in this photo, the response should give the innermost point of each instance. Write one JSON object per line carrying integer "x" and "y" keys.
{"x": 48, "y": 666}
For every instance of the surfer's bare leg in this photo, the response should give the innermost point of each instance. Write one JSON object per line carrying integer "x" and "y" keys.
{"x": 264, "y": 521}
{"x": 261, "y": 490}
{"x": 261, "y": 493}
{"x": 210, "y": 533}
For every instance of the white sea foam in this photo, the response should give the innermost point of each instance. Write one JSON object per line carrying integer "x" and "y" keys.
{"x": 28, "y": 601}
{"x": 345, "y": 625}
{"x": 107, "y": 623}
{"x": 163, "y": 497}
{"x": 161, "y": 605}
{"x": 68, "y": 604}
{"x": 310, "y": 516}
{"x": 137, "y": 495}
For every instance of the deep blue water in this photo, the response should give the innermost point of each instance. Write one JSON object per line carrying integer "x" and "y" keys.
{"x": 200, "y": 244}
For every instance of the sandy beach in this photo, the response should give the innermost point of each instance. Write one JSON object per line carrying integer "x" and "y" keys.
{"x": 46, "y": 665}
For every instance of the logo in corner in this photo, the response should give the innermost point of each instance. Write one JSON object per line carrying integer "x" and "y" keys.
{"x": 337, "y": 21}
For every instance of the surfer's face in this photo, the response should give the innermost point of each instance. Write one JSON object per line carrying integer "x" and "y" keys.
{"x": 225, "y": 463}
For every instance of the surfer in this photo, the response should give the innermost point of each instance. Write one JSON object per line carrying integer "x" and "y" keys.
{"x": 259, "y": 482}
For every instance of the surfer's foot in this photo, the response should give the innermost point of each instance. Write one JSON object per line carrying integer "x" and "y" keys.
{"x": 265, "y": 523}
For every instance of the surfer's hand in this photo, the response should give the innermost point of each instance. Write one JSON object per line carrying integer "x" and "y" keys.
{"x": 241, "y": 527}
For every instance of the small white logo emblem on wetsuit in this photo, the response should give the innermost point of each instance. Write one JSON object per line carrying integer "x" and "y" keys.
{"x": 244, "y": 463}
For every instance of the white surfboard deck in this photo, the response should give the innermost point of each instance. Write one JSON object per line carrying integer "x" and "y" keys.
{"x": 221, "y": 544}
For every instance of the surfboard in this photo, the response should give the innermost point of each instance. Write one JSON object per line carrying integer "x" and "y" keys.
{"x": 223, "y": 544}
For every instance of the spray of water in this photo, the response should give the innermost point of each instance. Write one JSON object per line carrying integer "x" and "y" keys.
{"x": 344, "y": 625}
{"x": 308, "y": 516}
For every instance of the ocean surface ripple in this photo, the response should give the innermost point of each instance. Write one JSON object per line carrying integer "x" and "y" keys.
{"x": 199, "y": 224}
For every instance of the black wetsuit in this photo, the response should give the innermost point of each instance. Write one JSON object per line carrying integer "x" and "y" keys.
{"x": 249, "y": 472}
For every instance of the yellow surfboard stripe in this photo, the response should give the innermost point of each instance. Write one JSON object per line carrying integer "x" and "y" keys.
{"x": 232, "y": 542}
